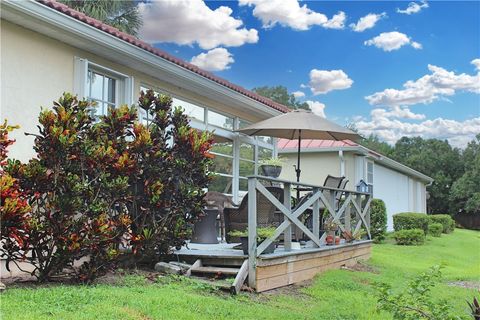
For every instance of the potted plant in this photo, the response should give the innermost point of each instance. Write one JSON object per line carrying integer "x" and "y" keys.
{"x": 351, "y": 236}
{"x": 271, "y": 167}
{"x": 262, "y": 234}
{"x": 330, "y": 227}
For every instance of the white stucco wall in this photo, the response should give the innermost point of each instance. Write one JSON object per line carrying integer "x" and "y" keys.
{"x": 316, "y": 166}
{"x": 36, "y": 70}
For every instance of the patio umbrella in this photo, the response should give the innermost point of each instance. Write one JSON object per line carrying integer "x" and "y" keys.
{"x": 300, "y": 124}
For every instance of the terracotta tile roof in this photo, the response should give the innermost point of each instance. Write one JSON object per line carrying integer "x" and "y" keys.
{"x": 285, "y": 144}
{"x": 60, "y": 7}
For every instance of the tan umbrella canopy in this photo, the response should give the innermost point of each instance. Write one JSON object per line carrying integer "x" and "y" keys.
{"x": 300, "y": 124}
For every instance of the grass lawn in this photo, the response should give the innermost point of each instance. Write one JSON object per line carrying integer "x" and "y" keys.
{"x": 338, "y": 294}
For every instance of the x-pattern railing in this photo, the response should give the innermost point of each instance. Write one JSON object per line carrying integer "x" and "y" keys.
{"x": 319, "y": 197}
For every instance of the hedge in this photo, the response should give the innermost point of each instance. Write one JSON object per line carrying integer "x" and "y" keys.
{"x": 410, "y": 237}
{"x": 411, "y": 220}
{"x": 435, "y": 229}
{"x": 445, "y": 220}
{"x": 378, "y": 220}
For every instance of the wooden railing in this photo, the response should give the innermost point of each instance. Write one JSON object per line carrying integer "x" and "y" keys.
{"x": 340, "y": 213}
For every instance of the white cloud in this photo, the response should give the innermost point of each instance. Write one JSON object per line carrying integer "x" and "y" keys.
{"x": 337, "y": 21}
{"x": 187, "y": 22}
{"x": 298, "y": 94}
{"x": 289, "y": 13}
{"x": 414, "y": 7}
{"x": 217, "y": 59}
{"x": 367, "y": 22}
{"x": 323, "y": 81}
{"x": 439, "y": 84}
{"x": 476, "y": 63}
{"x": 388, "y": 127}
{"x": 389, "y": 41}
{"x": 317, "y": 107}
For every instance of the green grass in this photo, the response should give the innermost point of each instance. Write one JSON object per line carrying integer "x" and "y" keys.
{"x": 337, "y": 294}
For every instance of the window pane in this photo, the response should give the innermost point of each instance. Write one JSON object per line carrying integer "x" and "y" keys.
{"x": 243, "y": 123}
{"x": 247, "y": 168}
{"x": 243, "y": 184}
{"x": 109, "y": 89}
{"x": 222, "y": 164}
{"x": 96, "y": 82}
{"x": 222, "y": 146}
{"x": 220, "y": 120}
{"x": 247, "y": 151}
{"x": 266, "y": 139}
{"x": 221, "y": 184}
{"x": 370, "y": 178}
{"x": 191, "y": 110}
{"x": 264, "y": 153}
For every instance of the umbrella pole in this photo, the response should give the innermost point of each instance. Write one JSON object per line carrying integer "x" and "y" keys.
{"x": 298, "y": 170}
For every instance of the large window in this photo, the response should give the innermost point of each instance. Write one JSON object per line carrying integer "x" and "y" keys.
{"x": 246, "y": 164}
{"x": 106, "y": 87}
{"x": 222, "y": 149}
{"x": 102, "y": 89}
{"x": 370, "y": 172}
{"x": 236, "y": 155}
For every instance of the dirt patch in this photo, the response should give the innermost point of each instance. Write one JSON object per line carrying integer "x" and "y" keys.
{"x": 362, "y": 267}
{"x": 290, "y": 290}
{"x": 465, "y": 284}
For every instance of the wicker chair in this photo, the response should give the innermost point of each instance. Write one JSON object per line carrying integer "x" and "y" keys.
{"x": 237, "y": 218}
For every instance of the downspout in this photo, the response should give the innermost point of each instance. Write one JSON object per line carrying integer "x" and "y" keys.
{"x": 342, "y": 163}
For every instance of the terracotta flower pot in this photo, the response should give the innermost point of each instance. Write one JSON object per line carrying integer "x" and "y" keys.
{"x": 329, "y": 239}
{"x": 337, "y": 240}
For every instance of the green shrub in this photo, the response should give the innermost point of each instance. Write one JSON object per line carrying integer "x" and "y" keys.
{"x": 435, "y": 229}
{"x": 445, "y": 220}
{"x": 410, "y": 220}
{"x": 409, "y": 237}
{"x": 378, "y": 220}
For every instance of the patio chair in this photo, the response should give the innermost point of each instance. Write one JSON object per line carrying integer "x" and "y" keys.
{"x": 237, "y": 218}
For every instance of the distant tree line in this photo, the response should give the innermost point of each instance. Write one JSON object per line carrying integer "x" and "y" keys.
{"x": 456, "y": 172}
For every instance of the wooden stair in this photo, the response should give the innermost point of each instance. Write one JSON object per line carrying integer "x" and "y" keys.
{"x": 240, "y": 274}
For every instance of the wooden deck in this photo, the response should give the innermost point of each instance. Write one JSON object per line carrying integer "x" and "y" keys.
{"x": 282, "y": 267}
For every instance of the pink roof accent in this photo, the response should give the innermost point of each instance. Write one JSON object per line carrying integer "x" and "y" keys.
{"x": 286, "y": 144}
{"x": 60, "y": 7}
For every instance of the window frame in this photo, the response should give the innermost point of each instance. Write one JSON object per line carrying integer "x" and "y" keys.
{"x": 367, "y": 172}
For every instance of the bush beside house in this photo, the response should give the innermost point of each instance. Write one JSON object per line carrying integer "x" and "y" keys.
{"x": 409, "y": 237}
{"x": 410, "y": 220}
{"x": 378, "y": 220}
{"x": 445, "y": 220}
{"x": 435, "y": 229}
{"x": 99, "y": 184}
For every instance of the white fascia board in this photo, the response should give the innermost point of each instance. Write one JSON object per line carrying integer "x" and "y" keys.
{"x": 39, "y": 17}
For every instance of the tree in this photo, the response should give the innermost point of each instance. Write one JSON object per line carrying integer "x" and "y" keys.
{"x": 121, "y": 14}
{"x": 372, "y": 142}
{"x": 280, "y": 94}
{"x": 465, "y": 193}
{"x": 437, "y": 159}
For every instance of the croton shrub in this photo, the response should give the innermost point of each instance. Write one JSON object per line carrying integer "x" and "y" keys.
{"x": 14, "y": 206}
{"x": 99, "y": 187}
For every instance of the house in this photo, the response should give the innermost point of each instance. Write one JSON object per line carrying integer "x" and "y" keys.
{"x": 48, "y": 48}
{"x": 400, "y": 187}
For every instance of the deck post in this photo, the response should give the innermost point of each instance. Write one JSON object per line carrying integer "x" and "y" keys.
{"x": 367, "y": 215}
{"x": 287, "y": 202}
{"x": 348, "y": 215}
{"x": 252, "y": 231}
{"x": 316, "y": 215}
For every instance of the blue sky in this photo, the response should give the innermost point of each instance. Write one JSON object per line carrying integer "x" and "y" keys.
{"x": 270, "y": 47}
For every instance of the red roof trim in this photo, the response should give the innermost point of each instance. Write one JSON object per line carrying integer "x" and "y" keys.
{"x": 60, "y": 7}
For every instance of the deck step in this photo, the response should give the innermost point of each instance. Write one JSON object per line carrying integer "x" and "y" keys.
{"x": 215, "y": 270}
